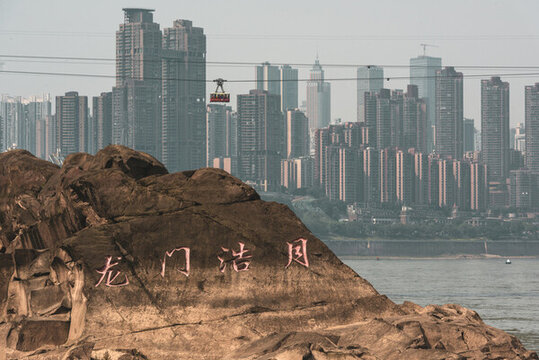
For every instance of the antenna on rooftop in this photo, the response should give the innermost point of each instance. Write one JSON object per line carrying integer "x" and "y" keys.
{"x": 425, "y": 48}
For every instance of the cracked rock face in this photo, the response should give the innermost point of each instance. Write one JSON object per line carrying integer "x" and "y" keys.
{"x": 111, "y": 256}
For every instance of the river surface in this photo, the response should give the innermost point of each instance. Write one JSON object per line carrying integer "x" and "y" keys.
{"x": 505, "y": 296}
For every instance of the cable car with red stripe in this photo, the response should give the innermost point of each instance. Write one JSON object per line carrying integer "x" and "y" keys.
{"x": 219, "y": 96}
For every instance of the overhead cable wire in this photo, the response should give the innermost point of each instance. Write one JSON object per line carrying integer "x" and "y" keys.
{"x": 101, "y": 59}
{"x": 388, "y": 78}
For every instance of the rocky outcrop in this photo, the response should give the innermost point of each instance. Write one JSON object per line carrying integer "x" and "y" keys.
{"x": 111, "y": 256}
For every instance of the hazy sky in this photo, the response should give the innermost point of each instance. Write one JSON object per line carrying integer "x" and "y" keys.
{"x": 481, "y": 33}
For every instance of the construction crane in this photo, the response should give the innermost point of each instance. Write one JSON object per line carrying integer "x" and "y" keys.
{"x": 425, "y": 48}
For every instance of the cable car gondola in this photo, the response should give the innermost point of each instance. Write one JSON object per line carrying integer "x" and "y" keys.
{"x": 219, "y": 96}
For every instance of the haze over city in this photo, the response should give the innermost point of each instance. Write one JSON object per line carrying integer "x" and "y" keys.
{"x": 478, "y": 33}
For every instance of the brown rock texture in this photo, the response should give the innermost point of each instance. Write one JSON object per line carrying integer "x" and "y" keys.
{"x": 240, "y": 297}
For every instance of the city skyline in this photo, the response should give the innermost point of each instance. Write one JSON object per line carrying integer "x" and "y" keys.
{"x": 158, "y": 105}
{"x": 350, "y": 44}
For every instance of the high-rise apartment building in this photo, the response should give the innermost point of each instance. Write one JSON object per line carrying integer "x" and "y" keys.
{"x": 405, "y": 176}
{"x": 449, "y": 113}
{"x": 297, "y": 173}
{"x": 221, "y": 133}
{"x": 260, "y": 139}
{"x": 433, "y": 176}
{"x": 344, "y": 177}
{"x": 421, "y": 178}
{"x": 371, "y": 184}
{"x": 289, "y": 87}
{"x": 136, "y": 96}
{"x": 102, "y": 120}
{"x": 318, "y": 98}
{"x": 297, "y": 134}
{"x": 446, "y": 186}
{"x": 268, "y": 78}
{"x": 520, "y": 138}
{"x": 524, "y": 189}
{"x": 469, "y": 134}
{"x": 71, "y": 123}
{"x": 183, "y": 133}
{"x": 12, "y": 116}
{"x": 369, "y": 79}
{"x": 387, "y": 175}
{"x": 282, "y": 81}
{"x": 383, "y": 119}
{"x": 495, "y": 128}
{"x": 370, "y": 106}
{"x": 423, "y": 73}
{"x": 321, "y": 141}
{"x": 414, "y": 121}
{"x": 478, "y": 186}
{"x": 461, "y": 183}
{"x": 532, "y": 127}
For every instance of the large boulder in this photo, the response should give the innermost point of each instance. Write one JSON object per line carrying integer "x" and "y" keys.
{"x": 112, "y": 255}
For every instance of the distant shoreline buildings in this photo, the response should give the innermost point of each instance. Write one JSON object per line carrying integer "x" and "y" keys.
{"x": 410, "y": 147}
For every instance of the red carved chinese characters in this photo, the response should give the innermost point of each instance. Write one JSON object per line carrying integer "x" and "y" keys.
{"x": 107, "y": 273}
{"x": 297, "y": 251}
{"x": 240, "y": 261}
{"x": 185, "y": 270}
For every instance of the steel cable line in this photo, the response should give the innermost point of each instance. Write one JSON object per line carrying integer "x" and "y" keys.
{"x": 388, "y": 78}
{"x": 293, "y": 36}
{"x": 486, "y": 67}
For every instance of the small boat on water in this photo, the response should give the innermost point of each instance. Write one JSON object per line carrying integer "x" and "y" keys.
{"x": 508, "y": 261}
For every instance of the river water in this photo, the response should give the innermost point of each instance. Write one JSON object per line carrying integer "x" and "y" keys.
{"x": 505, "y": 296}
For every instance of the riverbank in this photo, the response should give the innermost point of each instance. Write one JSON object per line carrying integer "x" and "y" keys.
{"x": 451, "y": 257}
{"x": 435, "y": 248}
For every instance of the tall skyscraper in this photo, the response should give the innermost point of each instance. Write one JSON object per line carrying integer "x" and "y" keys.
{"x": 102, "y": 119}
{"x": 371, "y": 184}
{"x": 318, "y": 98}
{"x": 183, "y": 133}
{"x": 449, "y": 113}
{"x": 289, "y": 88}
{"x": 71, "y": 123}
{"x": 423, "y": 73}
{"x": 469, "y": 134}
{"x": 446, "y": 185}
{"x": 268, "y": 78}
{"x": 387, "y": 175}
{"x": 478, "y": 186}
{"x": 421, "y": 178}
{"x": 405, "y": 176}
{"x": 260, "y": 139}
{"x": 321, "y": 141}
{"x": 136, "y": 96}
{"x": 297, "y": 134}
{"x": 39, "y": 110}
{"x": 370, "y": 106}
{"x": 461, "y": 183}
{"x": 344, "y": 175}
{"x": 414, "y": 121}
{"x": 221, "y": 133}
{"x": 369, "y": 78}
{"x": 532, "y": 127}
{"x": 281, "y": 81}
{"x": 520, "y": 138}
{"x": 12, "y": 114}
{"x": 383, "y": 119}
{"x": 495, "y": 128}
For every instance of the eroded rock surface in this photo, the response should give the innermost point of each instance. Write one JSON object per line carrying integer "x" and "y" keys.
{"x": 93, "y": 264}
